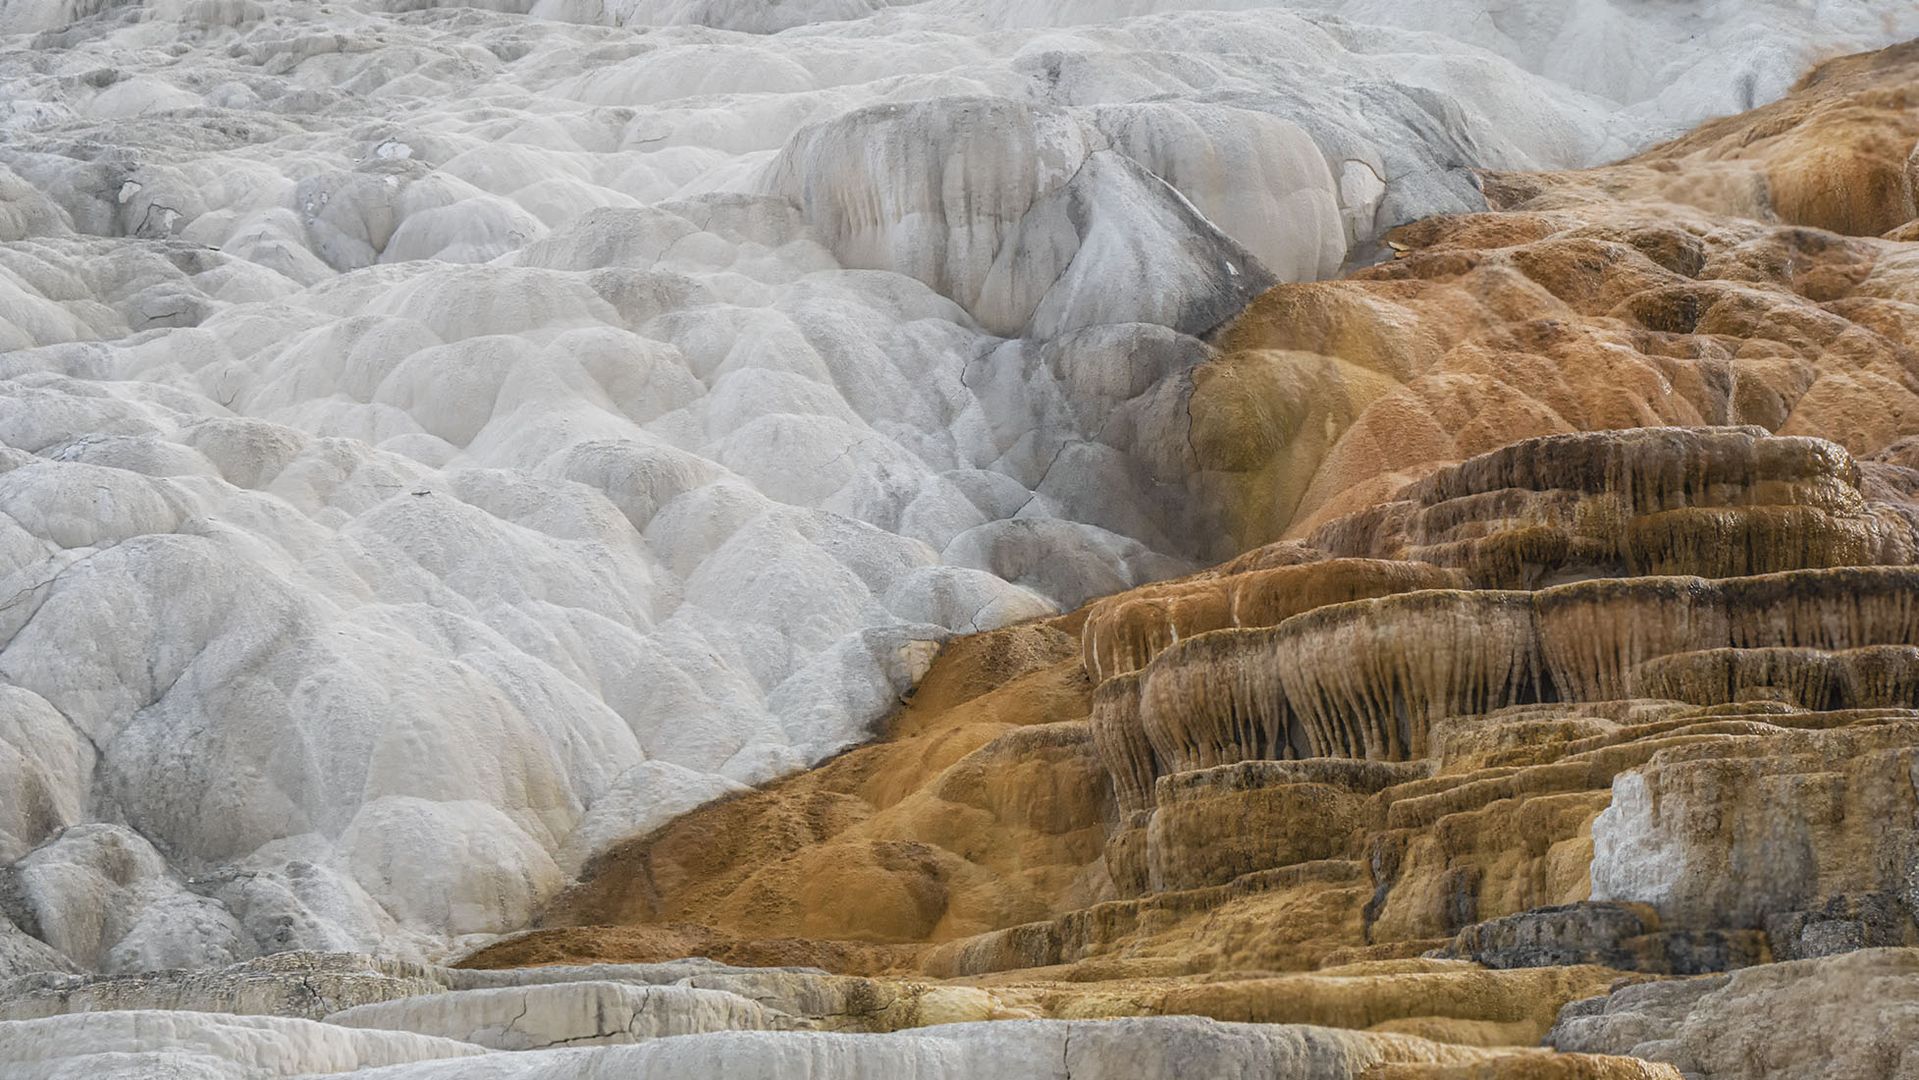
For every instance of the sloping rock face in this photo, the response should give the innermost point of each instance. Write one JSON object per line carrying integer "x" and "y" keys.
{"x": 219, "y": 1046}
{"x": 1851, "y": 1017}
{"x": 1574, "y": 643}
{"x": 437, "y": 530}
{"x": 445, "y": 437}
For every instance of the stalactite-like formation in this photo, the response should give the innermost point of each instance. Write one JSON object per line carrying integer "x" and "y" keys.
{"x": 1124, "y": 633}
{"x": 1839, "y": 608}
{"x": 1875, "y": 676}
{"x": 1221, "y": 725}
{"x": 1594, "y": 632}
{"x": 1577, "y": 632}
{"x": 1716, "y": 502}
{"x": 1370, "y": 678}
{"x": 1211, "y": 700}
{"x": 1118, "y": 732}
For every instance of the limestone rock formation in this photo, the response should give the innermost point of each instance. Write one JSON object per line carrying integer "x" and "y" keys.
{"x": 1848, "y": 1019}
{"x": 689, "y": 1016}
{"x": 562, "y": 1014}
{"x": 127, "y": 1045}
{"x": 305, "y": 985}
{"x": 957, "y": 537}
{"x": 217, "y": 1045}
{"x": 443, "y": 438}
{"x": 1578, "y": 651}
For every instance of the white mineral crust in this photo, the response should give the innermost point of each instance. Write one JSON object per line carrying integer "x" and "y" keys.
{"x": 438, "y": 439}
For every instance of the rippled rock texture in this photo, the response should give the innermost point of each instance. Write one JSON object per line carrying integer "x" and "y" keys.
{"x": 1580, "y": 650}
{"x": 478, "y": 468}
{"x": 443, "y": 438}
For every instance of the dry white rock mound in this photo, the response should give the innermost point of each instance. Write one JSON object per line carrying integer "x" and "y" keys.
{"x": 341, "y": 1014}
{"x": 437, "y": 439}
{"x": 140, "y": 1045}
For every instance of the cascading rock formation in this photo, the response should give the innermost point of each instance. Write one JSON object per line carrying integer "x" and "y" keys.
{"x": 1350, "y": 539}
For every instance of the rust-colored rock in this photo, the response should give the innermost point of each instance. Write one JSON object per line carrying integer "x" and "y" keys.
{"x": 1575, "y": 648}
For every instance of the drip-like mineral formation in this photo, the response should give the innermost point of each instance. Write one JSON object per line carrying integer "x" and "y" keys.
{"x": 958, "y": 538}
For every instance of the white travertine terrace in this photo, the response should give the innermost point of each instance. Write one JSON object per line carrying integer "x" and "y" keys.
{"x": 442, "y": 438}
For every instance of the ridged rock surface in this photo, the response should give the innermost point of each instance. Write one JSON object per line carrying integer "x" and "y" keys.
{"x": 501, "y": 498}
{"x": 218, "y": 1046}
{"x": 1850, "y": 1017}
{"x": 1570, "y": 666}
{"x": 442, "y": 438}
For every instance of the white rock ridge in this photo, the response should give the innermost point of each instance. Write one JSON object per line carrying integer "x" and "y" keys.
{"x": 438, "y": 439}
{"x": 342, "y": 1014}
{"x": 138, "y": 1044}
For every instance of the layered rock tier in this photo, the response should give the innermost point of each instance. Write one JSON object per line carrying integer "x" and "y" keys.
{"x": 502, "y": 499}
{"x": 1370, "y": 812}
{"x": 1583, "y": 640}
{"x": 443, "y": 437}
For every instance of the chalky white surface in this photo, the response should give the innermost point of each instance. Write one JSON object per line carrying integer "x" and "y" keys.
{"x": 442, "y": 438}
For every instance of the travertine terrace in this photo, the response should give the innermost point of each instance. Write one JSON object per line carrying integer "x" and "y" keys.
{"x": 836, "y": 538}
